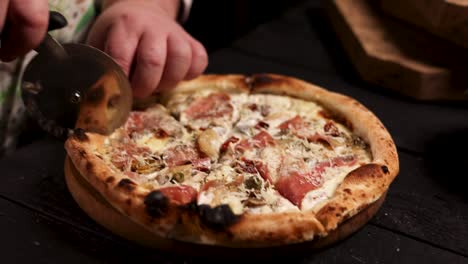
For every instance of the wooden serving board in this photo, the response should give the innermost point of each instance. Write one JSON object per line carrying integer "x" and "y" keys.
{"x": 397, "y": 56}
{"x": 96, "y": 207}
{"x": 445, "y": 18}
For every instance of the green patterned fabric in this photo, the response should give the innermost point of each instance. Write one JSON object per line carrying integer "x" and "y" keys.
{"x": 80, "y": 14}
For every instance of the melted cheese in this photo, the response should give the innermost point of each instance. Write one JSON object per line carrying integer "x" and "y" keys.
{"x": 249, "y": 112}
{"x": 156, "y": 145}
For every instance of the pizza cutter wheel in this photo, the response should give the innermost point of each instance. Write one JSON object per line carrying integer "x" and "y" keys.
{"x": 74, "y": 87}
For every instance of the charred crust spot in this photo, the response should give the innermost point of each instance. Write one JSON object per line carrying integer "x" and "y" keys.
{"x": 330, "y": 208}
{"x": 110, "y": 179}
{"x": 385, "y": 169}
{"x": 262, "y": 79}
{"x": 191, "y": 206}
{"x": 257, "y": 80}
{"x": 80, "y": 134}
{"x": 126, "y": 184}
{"x": 217, "y": 218}
{"x": 156, "y": 204}
{"x": 95, "y": 96}
{"x": 347, "y": 190}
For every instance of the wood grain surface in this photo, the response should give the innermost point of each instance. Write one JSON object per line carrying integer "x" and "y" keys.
{"x": 445, "y": 18}
{"x": 396, "y": 56}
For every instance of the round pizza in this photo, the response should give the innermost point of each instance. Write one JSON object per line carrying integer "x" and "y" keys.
{"x": 235, "y": 161}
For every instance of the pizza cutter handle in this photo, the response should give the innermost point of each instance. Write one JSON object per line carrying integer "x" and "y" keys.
{"x": 49, "y": 45}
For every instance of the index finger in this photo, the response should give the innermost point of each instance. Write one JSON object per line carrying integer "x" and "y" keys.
{"x": 3, "y": 12}
{"x": 28, "y": 22}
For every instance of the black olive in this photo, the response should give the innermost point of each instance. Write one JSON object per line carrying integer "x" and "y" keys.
{"x": 156, "y": 203}
{"x": 217, "y": 218}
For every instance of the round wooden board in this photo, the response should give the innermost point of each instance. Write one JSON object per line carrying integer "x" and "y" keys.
{"x": 93, "y": 204}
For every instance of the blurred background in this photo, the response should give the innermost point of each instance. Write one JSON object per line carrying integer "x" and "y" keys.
{"x": 217, "y": 23}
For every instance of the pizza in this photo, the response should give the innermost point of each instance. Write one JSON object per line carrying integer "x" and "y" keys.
{"x": 238, "y": 161}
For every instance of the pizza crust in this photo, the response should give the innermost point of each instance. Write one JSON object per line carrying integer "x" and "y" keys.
{"x": 97, "y": 207}
{"x": 184, "y": 223}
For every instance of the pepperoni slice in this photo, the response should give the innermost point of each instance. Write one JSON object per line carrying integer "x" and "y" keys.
{"x": 182, "y": 155}
{"x": 179, "y": 195}
{"x": 214, "y": 105}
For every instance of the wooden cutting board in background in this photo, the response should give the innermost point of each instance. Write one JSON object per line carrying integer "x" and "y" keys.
{"x": 395, "y": 55}
{"x": 445, "y": 18}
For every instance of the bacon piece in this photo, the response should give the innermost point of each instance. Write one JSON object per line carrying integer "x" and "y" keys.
{"x": 124, "y": 153}
{"x": 182, "y": 155}
{"x": 179, "y": 195}
{"x": 295, "y": 181}
{"x": 214, "y": 105}
{"x": 135, "y": 123}
{"x": 300, "y": 128}
{"x": 263, "y": 139}
{"x": 331, "y": 129}
{"x": 262, "y": 169}
{"x": 202, "y": 164}
{"x": 243, "y": 146}
{"x": 226, "y": 143}
{"x": 210, "y": 184}
{"x": 248, "y": 166}
{"x": 296, "y": 185}
{"x": 139, "y": 122}
{"x": 259, "y": 141}
{"x": 254, "y": 166}
{"x": 335, "y": 162}
{"x": 294, "y": 123}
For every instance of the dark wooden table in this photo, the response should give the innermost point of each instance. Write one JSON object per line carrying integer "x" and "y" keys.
{"x": 423, "y": 220}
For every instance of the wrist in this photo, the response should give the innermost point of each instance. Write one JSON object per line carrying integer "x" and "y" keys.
{"x": 171, "y": 7}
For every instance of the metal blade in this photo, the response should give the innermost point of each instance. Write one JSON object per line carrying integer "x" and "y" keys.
{"x": 85, "y": 89}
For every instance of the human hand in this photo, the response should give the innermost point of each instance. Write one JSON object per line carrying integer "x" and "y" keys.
{"x": 151, "y": 47}
{"x": 27, "y": 25}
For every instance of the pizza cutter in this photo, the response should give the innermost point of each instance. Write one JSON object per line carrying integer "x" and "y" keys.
{"x": 74, "y": 87}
